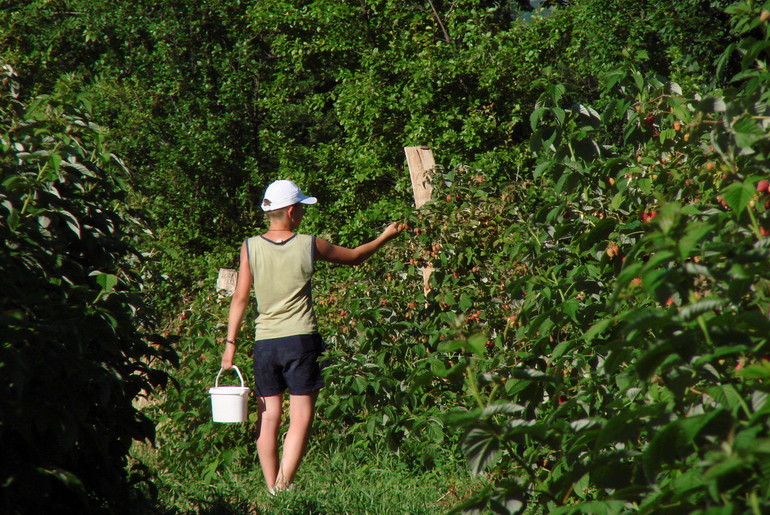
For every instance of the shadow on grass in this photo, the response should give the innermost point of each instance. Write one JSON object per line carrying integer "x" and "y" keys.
{"x": 216, "y": 506}
{"x": 221, "y": 506}
{"x": 224, "y": 506}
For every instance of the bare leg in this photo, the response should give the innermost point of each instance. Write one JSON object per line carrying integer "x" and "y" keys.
{"x": 267, "y": 436}
{"x": 301, "y": 412}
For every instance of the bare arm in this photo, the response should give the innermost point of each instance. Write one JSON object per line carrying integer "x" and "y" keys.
{"x": 345, "y": 256}
{"x": 238, "y": 306}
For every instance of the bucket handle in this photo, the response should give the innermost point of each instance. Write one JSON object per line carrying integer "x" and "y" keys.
{"x": 220, "y": 372}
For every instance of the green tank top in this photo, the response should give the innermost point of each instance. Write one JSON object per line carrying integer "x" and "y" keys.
{"x": 281, "y": 274}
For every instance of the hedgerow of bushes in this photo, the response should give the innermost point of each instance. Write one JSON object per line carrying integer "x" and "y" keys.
{"x": 78, "y": 340}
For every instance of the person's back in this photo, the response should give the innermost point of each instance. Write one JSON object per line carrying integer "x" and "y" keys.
{"x": 281, "y": 279}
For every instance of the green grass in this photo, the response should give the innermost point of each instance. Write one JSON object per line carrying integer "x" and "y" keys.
{"x": 344, "y": 483}
{"x": 351, "y": 481}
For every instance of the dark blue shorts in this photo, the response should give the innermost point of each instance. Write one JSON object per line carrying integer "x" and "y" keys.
{"x": 292, "y": 363}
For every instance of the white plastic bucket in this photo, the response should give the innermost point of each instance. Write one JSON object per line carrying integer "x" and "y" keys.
{"x": 229, "y": 403}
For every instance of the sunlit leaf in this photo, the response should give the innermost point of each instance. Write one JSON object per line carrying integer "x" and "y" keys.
{"x": 738, "y": 195}
{"x": 106, "y": 281}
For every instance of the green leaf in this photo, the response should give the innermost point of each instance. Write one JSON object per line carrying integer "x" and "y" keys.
{"x": 462, "y": 417}
{"x": 663, "y": 257}
{"x": 719, "y": 353}
{"x": 541, "y": 168}
{"x": 727, "y": 466}
{"x": 556, "y": 91}
{"x": 667, "y": 216}
{"x": 663, "y": 448}
{"x": 13, "y": 218}
{"x": 477, "y": 343}
{"x": 692, "y": 426}
{"x": 644, "y": 319}
{"x": 759, "y": 370}
{"x": 559, "y": 113}
{"x": 72, "y": 222}
{"x": 78, "y": 167}
{"x": 619, "y": 428}
{"x": 474, "y": 344}
{"x": 441, "y": 371}
{"x": 535, "y": 117}
{"x": 581, "y": 485}
{"x": 106, "y": 281}
{"x": 758, "y": 400}
{"x": 695, "y": 232}
{"x": 617, "y": 200}
{"x": 589, "y": 112}
{"x": 508, "y": 408}
{"x": 726, "y": 395}
{"x": 66, "y": 477}
{"x": 701, "y": 307}
{"x": 482, "y": 449}
{"x": 584, "y": 423}
{"x": 561, "y": 348}
{"x": 597, "y": 328}
{"x": 753, "y": 51}
{"x": 570, "y": 308}
{"x": 648, "y": 363}
{"x": 747, "y": 132}
{"x": 724, "y": 58}
{"x": 600, "y": 231}
{"x": 627, "y": 274}
{"x": 666, "y": 134}
{"x": 55, "y": 161}
{"x": 738, "y": 195}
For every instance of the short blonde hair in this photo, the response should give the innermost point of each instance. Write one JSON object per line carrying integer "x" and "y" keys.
{"x": 277, "y": 214}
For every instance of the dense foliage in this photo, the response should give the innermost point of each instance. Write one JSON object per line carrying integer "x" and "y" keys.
{"x": 643, "y": 324}
{"x": 211, "y": 100}
{"x": 77, "y": 346}
{"x": 594, "y": 335}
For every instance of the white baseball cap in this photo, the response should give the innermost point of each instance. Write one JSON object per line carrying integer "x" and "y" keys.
{"x": 284, "y": 193}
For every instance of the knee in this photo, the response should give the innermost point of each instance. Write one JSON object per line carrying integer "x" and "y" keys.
{"x": 269, "y": 418}
{"x": 301, "y": 418}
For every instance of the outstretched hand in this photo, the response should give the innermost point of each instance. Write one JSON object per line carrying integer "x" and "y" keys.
{"x": 393, "y": 230}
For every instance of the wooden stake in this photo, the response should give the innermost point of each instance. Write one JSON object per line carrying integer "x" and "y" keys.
{"x": 226, "y": 281}
{"x": 421, "y": 164}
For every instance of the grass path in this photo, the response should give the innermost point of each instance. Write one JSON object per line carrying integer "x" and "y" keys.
{"x": 349, "y": 482}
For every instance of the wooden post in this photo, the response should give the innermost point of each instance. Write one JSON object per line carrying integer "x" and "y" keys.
{"x": 226, "y": 282}
{"x": 421, "y": 164}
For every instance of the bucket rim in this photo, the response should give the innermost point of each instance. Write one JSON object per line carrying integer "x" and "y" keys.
{"x": 228, "y": 390}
